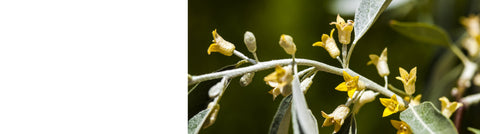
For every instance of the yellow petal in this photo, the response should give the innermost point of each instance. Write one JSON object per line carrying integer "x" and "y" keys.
{"x": 444, "y": 102}
{"x": 331, "y": 33}
{"x": 396, "y": 124}
{"x": 325, "y": 38}
{"x": 373, "y": 59}
{"x": 341, "y": 87}
{"x": 385, "y": 102}
{"x": 351, "y": 92}
{"x": 318, "y": 43}
{"x": 387, "y": 112}
{"x": 403, "y": 73}
{"x": 413, "y": 73}
{"x": 328, "y": 120}
{"x": 346, "y": 76}
{"x": 337, "y": 127}
{"x": 213, "y": 48}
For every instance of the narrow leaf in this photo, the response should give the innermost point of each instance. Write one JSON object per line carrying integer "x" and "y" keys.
{"x": 426, "y": 119}
{"x": 422, "y": 32}
{"x": 196, "y": 122}
{"x": 366, "y": 14}
{"x": 306, "y": 122}
{"x": 281, "y": 120}
{"x": 474, "y": 130}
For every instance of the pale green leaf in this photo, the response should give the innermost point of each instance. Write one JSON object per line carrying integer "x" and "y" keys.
{"x": 305, "y": 122}
{"x": 426, "y": 119}
{"x": 422, "y": 32}
{"x": 196, "y": 122}
{"x": 474, "y": 130}
{"x": 366, "y": 14}
{"x": 281, "y": 120}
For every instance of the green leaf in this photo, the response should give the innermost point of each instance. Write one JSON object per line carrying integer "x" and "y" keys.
{"x": 349, "y": 126}
{"x": 281, "y": 120}
{"x": 474, "y": 130}
{"x": 426, "y": 119}
{"x": 304, "y": 121}
{"x": 196, "y": 122}
{"x": 422, "y": 32}
{"x": 366, "y": 14}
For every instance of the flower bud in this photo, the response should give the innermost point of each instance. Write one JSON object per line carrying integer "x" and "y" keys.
{"x": 216, "y": 89}
{"x": 220, "y": 45}
{"x": 286, "y": 41}
{"x": 250, "y": 41}
{"x": 246, "y": 79}
{"x": 306, "y": 84}
{"x": 336, "y": 118}
{"x": 472, "y": 24}
{"x": 380, "y": 63}
{"x": 367, "y": 97}
{"x": 344, "y": 29}
{"x": 471, "y": 45}
{"x": 213, "y": 115}
{"x": 329, "y": 44}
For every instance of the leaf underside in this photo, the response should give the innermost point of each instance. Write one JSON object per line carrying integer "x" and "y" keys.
{"x": 305, "y": 121}
{"x": 426, "y": 119}
{"x": 196, "y": 122}
{"x": 366, "y": 14}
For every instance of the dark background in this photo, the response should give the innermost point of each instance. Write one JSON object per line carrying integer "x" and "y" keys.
{"x": 251, "y": 109}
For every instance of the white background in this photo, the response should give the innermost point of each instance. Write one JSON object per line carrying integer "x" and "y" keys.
{"x": 93, "y": 66}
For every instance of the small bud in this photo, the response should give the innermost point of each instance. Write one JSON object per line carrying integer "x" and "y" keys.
{"x": 367, "y": 97}
{"x": 220, "y": 45}
{"x": 471, "y": 45}
{"x": 286, "y": 41}
{"x": 306, "y": 84}
{"x": 213, "y": 115}
{"x": 336, "y": 118}
{"x": 448, "y": 108}
{"x": 344, "y": 29}
{"x": 216, "y": 89}
{"x": 361, "y": 85}
{"x": 476, "y": 79}
{"x": 246, "y": 79}
{"x": 329, "y": 44}
{"x": 250, "y": 41}
{"x": 380, "y": 63}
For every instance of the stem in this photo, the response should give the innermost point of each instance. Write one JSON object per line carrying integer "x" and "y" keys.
{"x": 344, "y": 54}
{"x": 241, "y": 55}
{"x": 350, "y": 54}
{"x": 470, "y": 99}
{"x": 340, "y": 61}
{"x": 386, "y": 81}
{"x": 397, "y": 90}
{"x": 255, "y": 56}
{"x": 271, "y": 64}
{"x": 459, "y": 53}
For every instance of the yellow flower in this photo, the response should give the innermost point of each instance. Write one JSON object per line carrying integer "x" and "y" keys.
{"x": 472, "y": 24}
{"x": 380, "y": 63}
{"x": 408, "y": 80}
{"x": 401, "y": 126}
{"x": 220, "y": 45}
{"x": 448, "y": 108}
{"x": 391, "y": 105}
{"x": 336, "y": 118}
{"x": 350, "y": 85}
{"x": 344, "y": 29}
{"x": 329, "y": 44}
{"x": 286, "y": 41}
{"x": 278, "y": 80}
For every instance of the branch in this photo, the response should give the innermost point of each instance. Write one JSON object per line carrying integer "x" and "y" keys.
{"x": 306, "y": 62}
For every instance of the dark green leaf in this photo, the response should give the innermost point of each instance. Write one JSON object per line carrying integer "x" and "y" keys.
{"x": 422, "y": 32}
{"x": 426, "y": 119}
{"x": 196, "y": 122}
{"x": 281, "y": 120}
{"x": 305, "y": 122}
{"x": 366, "y": 14}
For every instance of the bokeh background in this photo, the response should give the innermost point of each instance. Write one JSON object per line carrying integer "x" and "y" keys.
{"x": 251, "y": 109}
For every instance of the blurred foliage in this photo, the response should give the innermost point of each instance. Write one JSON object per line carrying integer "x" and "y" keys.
{"x": 251, "y": 109}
